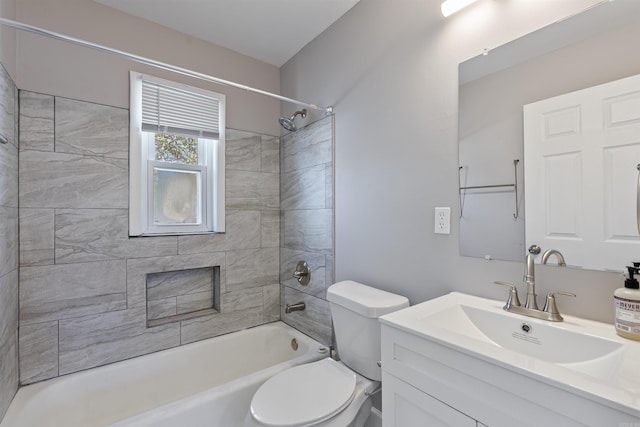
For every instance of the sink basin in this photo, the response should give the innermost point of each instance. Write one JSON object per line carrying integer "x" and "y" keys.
{"x": 504, "y": 369}
{"x": 581, "y": 356}
{"x": 581, "y": 351}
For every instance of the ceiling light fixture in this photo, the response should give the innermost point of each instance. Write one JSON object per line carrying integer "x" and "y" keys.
{"x": 449, "y": 7}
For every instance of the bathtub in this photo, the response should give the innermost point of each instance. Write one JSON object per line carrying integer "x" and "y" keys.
{"x": 207, "y": 383}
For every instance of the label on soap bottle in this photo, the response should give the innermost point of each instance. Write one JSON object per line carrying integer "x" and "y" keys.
{"x": 627, "y": 315}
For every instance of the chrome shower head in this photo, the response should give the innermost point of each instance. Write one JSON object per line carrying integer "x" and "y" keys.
{"x": 289, "y": 124}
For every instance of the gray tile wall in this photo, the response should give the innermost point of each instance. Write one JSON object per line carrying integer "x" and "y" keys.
{"x": 83, "y": 280}
{"x": 306, "y": 191}
{"x": 9, "y": 251}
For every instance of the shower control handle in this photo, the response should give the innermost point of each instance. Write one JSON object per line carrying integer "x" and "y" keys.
{"x": 302, "y": 273}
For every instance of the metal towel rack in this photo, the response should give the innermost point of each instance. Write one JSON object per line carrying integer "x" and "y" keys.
{"x": 638, "y": 199}
{"x": 516, "y": 214}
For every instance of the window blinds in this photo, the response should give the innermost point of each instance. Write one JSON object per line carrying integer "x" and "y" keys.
{"x": 169, "y": 109}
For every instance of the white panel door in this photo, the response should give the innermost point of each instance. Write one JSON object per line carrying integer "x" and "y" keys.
{"x": 581, "y": 155}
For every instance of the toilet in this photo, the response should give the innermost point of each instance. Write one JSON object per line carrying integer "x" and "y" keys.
{"x": 327, "y": 392}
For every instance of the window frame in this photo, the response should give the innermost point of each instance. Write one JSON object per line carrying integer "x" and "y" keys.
{"x": 142, "y": 157}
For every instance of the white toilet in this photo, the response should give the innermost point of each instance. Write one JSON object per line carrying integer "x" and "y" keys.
{"x": 330, "y": 393}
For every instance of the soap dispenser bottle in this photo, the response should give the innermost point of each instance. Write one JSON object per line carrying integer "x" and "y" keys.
{"x": 627, "y": 305}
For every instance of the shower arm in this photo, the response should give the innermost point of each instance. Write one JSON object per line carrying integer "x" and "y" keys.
{"x": 161, "y": 65}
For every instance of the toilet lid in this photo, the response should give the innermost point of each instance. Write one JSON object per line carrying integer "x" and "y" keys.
{"x": 304, "y": 395}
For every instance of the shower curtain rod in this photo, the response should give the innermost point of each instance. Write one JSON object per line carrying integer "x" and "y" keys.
{"x": 178, "y": 70}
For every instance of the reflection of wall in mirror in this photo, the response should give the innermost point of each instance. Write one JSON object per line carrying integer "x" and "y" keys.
{"x": 490, "y": 131}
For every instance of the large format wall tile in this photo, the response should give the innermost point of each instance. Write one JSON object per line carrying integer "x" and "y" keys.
{"x": 83, "y": 235}
{"x": 270, "y": 228}
{"x": 304, "y": 189}
{"x": 8, "y": 306}
{"x": 306, "y": 228}
{"x": 56, "y": 180}
{"x": 218, "y": 324}
{"x": 251, "y": 268}
{"x": 90, "y": 341}
{"x": 38, "y": 351}
{"x": 271, "y": 302}
{"x": 309, "y": 230}
{"x": 252, "y": 190}
{"x": 9, "y": 242}
{"x": 243, "y": 299}
{"x": 91, "y": 129}
{"x": 310, "y": 146}
{"x": 8, "y": 372}
{"x": 53, "y": 292}
{"x": 243, "y": 150}
{"x": 243, "y": 231}
{"x": 270, "y": 154}
{"x": 8, "y": 175}
{"x": 37, "y": 236}
{"x": 8, "y": 107}
{"x": 9, "y": 239}
{"x": 83, "y": 297}
{"x": 36, "y": 121}
{"x": 314, "y": 321}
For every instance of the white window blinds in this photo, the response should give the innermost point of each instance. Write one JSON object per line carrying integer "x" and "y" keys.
{"x": 174, "y": 110}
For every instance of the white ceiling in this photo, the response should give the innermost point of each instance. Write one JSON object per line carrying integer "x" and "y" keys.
{"x": 269, "y": 30}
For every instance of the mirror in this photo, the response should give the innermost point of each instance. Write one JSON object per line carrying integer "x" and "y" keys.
{"x": 596, "y": 46}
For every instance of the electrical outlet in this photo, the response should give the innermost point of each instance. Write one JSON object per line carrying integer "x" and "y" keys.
{"x": 443, "y": 221}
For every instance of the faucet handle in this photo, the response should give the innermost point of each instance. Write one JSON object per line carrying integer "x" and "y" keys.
{"x": 513, "y": 299}
{"x": 551, "y": 307}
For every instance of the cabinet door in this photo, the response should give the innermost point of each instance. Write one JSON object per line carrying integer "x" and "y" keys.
{"x": 406, "y": 406}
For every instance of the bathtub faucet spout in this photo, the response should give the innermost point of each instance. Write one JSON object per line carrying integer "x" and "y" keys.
{"x": 294, "y": 307}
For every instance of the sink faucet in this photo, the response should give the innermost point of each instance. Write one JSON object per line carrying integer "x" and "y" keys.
{"x": 530, "y": 278}
{"x": 549, "y": 252}
{"x": 550, "y": 311}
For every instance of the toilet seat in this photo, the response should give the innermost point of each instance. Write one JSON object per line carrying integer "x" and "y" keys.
{"x": 304, "y": 395}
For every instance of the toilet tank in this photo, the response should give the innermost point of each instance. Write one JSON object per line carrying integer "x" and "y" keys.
{"x": 355, "y": 309}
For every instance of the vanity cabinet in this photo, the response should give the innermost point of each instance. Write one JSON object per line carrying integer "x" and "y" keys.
{"x": 407, "y": 406}
{"x": 431, "y": 383}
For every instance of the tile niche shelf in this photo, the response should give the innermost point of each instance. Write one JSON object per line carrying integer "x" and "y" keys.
{"x": 182, "y": 294}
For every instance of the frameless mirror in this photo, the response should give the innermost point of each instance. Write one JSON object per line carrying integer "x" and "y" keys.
{"x": 596, "y": 46}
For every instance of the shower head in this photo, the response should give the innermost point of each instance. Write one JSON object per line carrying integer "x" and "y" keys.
{"x": 289, "y": 124}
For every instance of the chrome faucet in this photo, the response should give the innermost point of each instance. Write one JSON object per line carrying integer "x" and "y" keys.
{"x": 530, "y": 278}
{"x": 549, "y": 252}
{"x": 550, "y": 311}
{"x": 300, "y": 306}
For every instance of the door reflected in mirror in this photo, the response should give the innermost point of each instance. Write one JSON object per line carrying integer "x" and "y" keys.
{"x": 589, "y": 49}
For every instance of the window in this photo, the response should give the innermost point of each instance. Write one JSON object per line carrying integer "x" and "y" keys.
{"x": 176, "y": 158}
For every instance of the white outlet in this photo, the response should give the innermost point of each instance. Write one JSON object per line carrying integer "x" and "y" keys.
{"x": 443, "y": 221}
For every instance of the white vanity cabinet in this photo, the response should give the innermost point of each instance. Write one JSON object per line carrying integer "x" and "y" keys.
{"x": 427, "y": 382}
{"x": 405, "y": 402}
{"x": 407, "y": 406}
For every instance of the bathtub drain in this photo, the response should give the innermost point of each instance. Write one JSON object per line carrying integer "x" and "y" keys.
{"x": 294, "y": 344}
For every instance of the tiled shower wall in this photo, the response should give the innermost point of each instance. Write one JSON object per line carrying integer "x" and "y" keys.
{"x": 83, "y": 280}
{"x": 8, "y": 242}
{"x": 306, "y": 191}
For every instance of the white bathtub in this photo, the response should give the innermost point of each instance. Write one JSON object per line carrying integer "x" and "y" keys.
{"x": 208, "y": 383}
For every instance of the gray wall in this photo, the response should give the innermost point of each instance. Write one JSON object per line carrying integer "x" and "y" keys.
{"x": 306, "y": 192}
{"x": 391, "y": 73}
{"x": 8, "y": 242}
{"x": 83, "y": 280}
